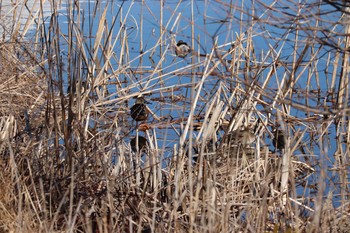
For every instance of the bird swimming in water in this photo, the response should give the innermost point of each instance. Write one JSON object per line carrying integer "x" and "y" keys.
{"x": 279, "y": 139}
{"x": 142, "y": 144}
{"x": 182, "y": 49}
{"x": 139, "y": 110}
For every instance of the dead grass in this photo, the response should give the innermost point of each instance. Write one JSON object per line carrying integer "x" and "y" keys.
{"x": 66, "y": 163}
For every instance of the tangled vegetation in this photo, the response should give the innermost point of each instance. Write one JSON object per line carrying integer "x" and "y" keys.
{"x": 192, "y": 116}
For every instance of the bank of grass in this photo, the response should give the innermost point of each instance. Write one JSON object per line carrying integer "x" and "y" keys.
{"x": 57, "y": 147}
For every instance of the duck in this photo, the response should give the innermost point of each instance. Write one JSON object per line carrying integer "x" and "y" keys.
{"x": 240, "y": 143}
{"x": 182, "y": 49}
{"x": 243, "y": 137}
{"x": 139, "y": 110}
{"x": 142, "y": 144}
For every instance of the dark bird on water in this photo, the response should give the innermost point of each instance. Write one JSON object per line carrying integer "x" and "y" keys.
{"x": 279, "y": 139}
{"x": 139, "y": 110}
{"x": 141, "y": 145}
{"x": 182, "y": 49}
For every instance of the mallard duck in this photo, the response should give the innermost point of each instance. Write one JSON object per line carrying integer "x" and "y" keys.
{"x": 182, "y": 49}
{"x": 240, "y": 142}
{"x": 243, "y": 137}
{"x": 139, "y": 110}
{"x": 142, "y": 144}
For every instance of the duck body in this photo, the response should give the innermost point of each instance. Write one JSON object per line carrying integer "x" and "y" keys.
{"x": 240, "y": 143}
{"x": 139, "y": 110}
{"x": 243, "y": 137}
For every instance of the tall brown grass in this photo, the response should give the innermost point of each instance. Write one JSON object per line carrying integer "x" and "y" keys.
{"x": 66, "y": 163}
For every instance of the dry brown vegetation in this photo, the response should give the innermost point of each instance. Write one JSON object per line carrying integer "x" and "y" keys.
{"x": 66, "y": 164}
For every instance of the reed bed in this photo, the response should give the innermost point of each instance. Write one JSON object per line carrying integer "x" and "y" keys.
{"x": 245, "y": 134}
